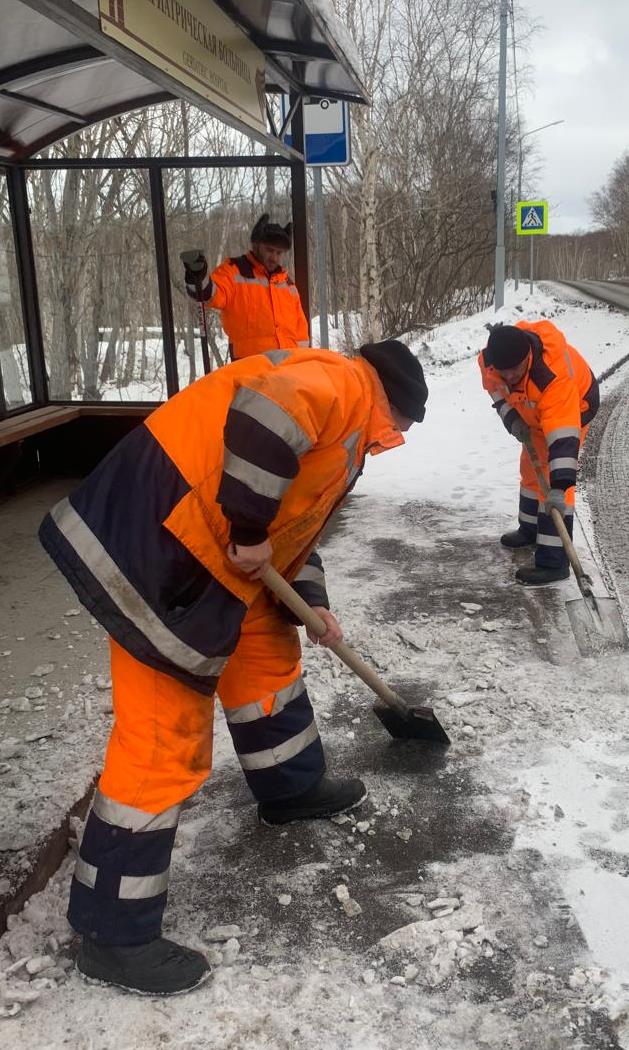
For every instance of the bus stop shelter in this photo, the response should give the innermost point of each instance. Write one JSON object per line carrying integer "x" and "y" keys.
{"x": 66, "y": 65}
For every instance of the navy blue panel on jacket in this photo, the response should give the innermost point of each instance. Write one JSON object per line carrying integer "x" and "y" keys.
{"x": 108, "y": 540}
{"x": 593, "y": 399}
{"x": 310, "y": 585}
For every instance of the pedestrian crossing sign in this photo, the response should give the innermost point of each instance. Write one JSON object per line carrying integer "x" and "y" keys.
{"x": 531, "y": 217}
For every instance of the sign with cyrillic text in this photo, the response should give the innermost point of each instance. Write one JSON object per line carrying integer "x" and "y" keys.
{"x": 198, "y": 45}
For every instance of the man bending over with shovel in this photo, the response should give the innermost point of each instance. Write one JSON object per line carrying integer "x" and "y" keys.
{"x": 547, "y": 395}
{"x": 165, "y": 543}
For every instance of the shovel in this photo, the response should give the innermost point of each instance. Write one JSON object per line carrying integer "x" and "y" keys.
{"x": 402, "y": 720}
{"x": 596, "y": 622}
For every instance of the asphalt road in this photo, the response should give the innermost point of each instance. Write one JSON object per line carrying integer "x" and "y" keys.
{"x": 614, "y": 292}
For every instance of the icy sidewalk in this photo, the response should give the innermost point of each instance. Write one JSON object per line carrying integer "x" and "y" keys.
{"x": 437, "y": 915}
{"x": 467, "y": 903}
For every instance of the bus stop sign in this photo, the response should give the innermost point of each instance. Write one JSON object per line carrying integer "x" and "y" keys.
{"x": 326, "y": 130}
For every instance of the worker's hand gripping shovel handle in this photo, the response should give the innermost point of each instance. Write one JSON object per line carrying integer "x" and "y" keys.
{"x": 286, "y": 594}
{"x": 582, "y": 577}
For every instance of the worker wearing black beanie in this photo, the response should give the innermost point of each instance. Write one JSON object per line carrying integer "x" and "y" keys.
{"x": 401, "y": 375}
{"x": 507, "y": 347}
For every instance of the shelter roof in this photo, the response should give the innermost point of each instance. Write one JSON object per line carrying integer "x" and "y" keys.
{"x": 59, "y": 73}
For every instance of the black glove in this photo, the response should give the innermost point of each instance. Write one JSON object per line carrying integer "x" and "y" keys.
{"x": 520, "y": 430}
{"x": 195, "y": 265}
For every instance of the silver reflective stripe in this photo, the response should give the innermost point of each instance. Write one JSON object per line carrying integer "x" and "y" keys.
{"x": 312, "y": 574}
{"x": 563, "y": 461}
{"x": 85, "y": 873}
{"x": 529, "y": 494}
{"x": 251, "y": 712}
{"x": 350, "y": 445}
{"x": 530, "y": 518}
{"x": 260, "y": 481}
{"x": 272, "y": 416}
{"x": 129, "y": 601}
{"x": 277, "y": 356}
{"x": 139, "y": 887}
{"x": 569, "y": 364}
{"x": 239, "y": 279}
{"x": 303, "y": 342}
{"x": 274, "y": 756}
{"x": 123, "y": 816}
{"x": 563, "y": 432}
{"x": 504, "y": 410}
{"x": 548, "y": 541}
{"x": 497, "y": 395}
{"x": 280, "y": 284}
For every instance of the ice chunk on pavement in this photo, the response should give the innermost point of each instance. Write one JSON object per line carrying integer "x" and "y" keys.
{"x": 223, "y": 933}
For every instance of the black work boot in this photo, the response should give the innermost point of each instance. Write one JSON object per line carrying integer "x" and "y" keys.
{"x": 160, "y": 967}
{"x": 325, "y": 799}
{"x": 516, "y": 538}
{"x": 538, "y": 575}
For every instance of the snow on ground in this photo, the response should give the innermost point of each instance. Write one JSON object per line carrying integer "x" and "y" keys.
{"x": 521, "y": 825}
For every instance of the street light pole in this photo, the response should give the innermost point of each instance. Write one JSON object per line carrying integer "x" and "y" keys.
{"x": 533, "y": 131}
{"x": 499, "y": 280}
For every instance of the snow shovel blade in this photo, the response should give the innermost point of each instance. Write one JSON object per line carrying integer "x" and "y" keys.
{"x": 418, "y": 723}
{"x": 597, "y": 625}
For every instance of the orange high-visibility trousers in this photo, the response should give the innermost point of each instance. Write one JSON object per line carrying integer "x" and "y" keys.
{"x": 160, "y": 752}
{"x": 160, "y": 749}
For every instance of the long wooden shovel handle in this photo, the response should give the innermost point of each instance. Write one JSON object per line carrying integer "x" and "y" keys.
{"x": 564, "y": 535}
{"x": 288, "y": 595}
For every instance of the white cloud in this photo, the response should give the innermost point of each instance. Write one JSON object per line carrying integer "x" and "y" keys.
{"x": 580, "y": 76}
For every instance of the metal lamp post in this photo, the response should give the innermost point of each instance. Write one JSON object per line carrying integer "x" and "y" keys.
{"x": 533, "y": 131}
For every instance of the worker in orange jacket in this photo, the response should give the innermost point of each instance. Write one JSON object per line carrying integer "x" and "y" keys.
{"x": 543, "y": 390}
{"x": 258, "y": 302}
{"x": 165, "y": 543}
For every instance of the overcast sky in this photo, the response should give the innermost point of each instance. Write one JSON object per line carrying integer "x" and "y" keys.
{"x": 580, "y": 63}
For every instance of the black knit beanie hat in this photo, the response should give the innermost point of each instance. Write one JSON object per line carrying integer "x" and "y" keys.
{"x": 401, "y": 375}
{"x": 265, "y": 232}
{"x": 507, "y": 347}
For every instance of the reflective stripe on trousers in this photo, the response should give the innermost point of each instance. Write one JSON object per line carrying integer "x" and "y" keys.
{"x": 120, "y": 882}
{"x": 280, "y": 750}
{"x": 267, "y": 709}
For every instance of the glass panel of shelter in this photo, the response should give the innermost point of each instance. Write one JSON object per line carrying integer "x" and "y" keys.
{"x": 214, "y": 209}
{"x": 14, "y": 364}
{"x": 94, "y": 251}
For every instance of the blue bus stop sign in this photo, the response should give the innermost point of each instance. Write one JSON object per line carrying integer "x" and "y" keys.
{"x": 326, "y": 130}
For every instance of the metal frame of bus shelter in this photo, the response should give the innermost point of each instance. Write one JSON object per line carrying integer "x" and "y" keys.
{"x": 305, "y": 67}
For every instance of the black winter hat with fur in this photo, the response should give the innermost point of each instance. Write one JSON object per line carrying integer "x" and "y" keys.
{"x": 401, "y": 375}
{"x": 507, "y": 347}
{"x": 265, "y": 232}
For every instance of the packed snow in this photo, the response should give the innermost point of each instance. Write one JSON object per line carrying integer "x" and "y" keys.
{"x": 479, "y": 897}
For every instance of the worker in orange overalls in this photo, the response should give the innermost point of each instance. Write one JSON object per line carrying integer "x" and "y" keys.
{"x": 258, "y": 302}
{"x": 165, "y": 543}
{"x": 544, "y": 390}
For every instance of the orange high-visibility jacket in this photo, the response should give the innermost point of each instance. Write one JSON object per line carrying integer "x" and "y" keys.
{"x": 266, "y": 446}
{"x": 557, "y": 395}
{"x": 258, "y": 312}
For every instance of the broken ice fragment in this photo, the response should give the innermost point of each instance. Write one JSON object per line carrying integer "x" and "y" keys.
{"x": 443, "y": 902}
{"x": 223, "y": 933}
{"x": 42, "y": 670}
